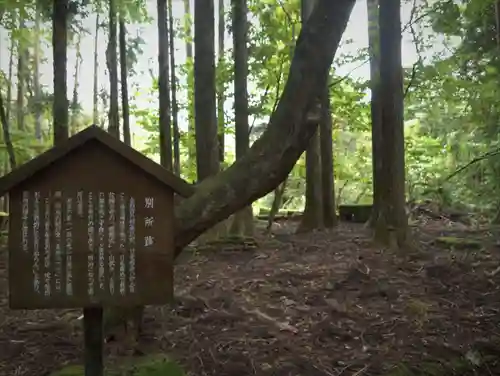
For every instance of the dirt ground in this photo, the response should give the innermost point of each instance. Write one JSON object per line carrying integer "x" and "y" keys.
{"x": 322, "y": 304}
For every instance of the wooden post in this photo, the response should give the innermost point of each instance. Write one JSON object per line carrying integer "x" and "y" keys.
{"x": 93, "y": 341}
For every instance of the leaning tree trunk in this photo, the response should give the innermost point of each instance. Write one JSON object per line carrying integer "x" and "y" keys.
{"x": 243, "y": 220}
{"x": 274, "y": 154}
{"x": 394, "y": 232}
{"x": 313, "y": 212}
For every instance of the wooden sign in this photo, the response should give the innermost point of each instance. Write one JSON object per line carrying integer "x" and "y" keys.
{"x": 91, "y": 224}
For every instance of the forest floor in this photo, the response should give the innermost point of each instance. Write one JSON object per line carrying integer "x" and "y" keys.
{"x": 323, "y": 304}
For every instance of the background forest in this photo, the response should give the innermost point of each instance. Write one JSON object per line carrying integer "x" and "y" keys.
{"x": 450, "y": 53}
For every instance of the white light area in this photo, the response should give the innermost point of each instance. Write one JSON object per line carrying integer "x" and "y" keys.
{"x": 356, "y": 31}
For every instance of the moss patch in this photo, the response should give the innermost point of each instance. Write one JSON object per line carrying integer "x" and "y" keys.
{"x": 155, "y": 365}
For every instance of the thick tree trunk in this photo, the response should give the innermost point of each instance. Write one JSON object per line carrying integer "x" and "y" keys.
{"x": 393, "y": 228}
{"x": 313, "y": 211}
{"x": 59, "y": 49}
{"x": 272, "y": 157}
{"x": 243, "y": 220}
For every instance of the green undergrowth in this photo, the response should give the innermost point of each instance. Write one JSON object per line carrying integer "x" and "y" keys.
{"x": 157, "y": 365}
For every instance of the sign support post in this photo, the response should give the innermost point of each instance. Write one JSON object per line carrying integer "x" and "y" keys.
{"x": 93, "y": 341}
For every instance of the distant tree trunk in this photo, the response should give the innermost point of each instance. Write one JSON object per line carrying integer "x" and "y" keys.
{"x": 21, "y": 76}
{"x": 6, "y": 134}
{"x": 275, "y": 207}
{"x": 392, "y": 227}
{"x": 8, "y": 105}
{"x": 207, "y": 154}
{"x": 190, "y": 95}
{"x": 376, "y": 110}
{"x": 164, "y": 89}
{"x": 220, "y": 83}
{"x": 73, "y": 124}
{"x": 60, "y": 61}
{"x": 173, "y": 86}
{"x": 313, "y": 211}
{"x": 243, "y": 220}
{"x": 112, "y": 63}
{"x": 36, "y": 74}
{"x": 124, "y": 82}
{"x": 327, "y": 176}
{"x": 95, "y": 115}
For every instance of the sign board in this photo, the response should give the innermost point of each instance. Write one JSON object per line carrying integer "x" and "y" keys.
{"x": 91, "y": 224}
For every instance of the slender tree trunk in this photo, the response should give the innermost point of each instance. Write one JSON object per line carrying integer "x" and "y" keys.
{"x": 395, "y": 231}
{"x": 276, "y": 205}
{"x": 313, "y": 211}
{"x": 8, "y": 105}
{"x": 6, "y": 134}
{"x": 164, "y": 90}
{"x": 36, "y": 73}
{"x": 124, "y": 82}
{"x": 59, "y": 48}
{"x": 220, "y": 83}
{"x": 326, "y": 148}
{"x": 376, "y": 110}
{"x": 190, "y": 94}
{"x": 73, "y": 123}
{"x": 21, "y": 63}
{"x": 173, "y": 87}
{"x": 243, "y": 220}
{"x": 95, "y": 115}
{"x": 112, "y": 63}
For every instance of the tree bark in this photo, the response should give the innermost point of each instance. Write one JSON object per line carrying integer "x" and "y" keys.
{"x": 313, "y": 211}
{"x": 124, "y": 81}
{"x": 60, "y": 60}
{"x": 173, "y": 87}
{"x": 327, "y": 175}
{"x": 95, "y": 114}
{"x": 375, "y": 107}
{"x": 221, "y": 123}
{"x": 207, "y": 148}
{"x": 392, "y": 229}
{"x": 273, "y": 155}
{"x": 243, "y": 220}
{"x": 112, "y": 62}
{"x": 164, "y": 87}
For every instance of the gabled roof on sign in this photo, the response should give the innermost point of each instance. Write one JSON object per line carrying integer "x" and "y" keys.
{"x": 94, "y": 133}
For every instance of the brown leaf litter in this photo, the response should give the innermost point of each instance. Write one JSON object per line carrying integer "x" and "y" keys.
{"x": 320, "y": 304}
